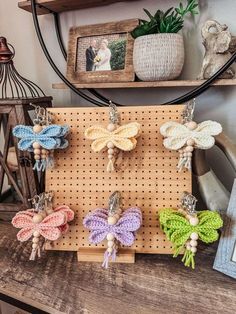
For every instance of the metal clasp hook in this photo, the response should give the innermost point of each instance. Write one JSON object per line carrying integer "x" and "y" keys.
{"x": 188, "y": 111}
{"x": 113, "y": 114}
{"x": 114, "y": 202}
{"x": 189, "y": 202}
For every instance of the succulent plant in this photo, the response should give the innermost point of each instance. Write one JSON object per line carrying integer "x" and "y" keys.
{"x": 171, "y": 21}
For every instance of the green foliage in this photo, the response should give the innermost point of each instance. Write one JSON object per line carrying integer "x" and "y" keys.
{"x": 171, "y": 21}
{"x": 118, "y": 51}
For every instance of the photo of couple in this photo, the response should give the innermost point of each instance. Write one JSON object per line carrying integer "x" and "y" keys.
{"x": 98, "y": 57}
{"x": 101, "y": 53}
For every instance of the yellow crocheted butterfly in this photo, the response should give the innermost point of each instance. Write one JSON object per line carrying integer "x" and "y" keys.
{"x": 123, "y": 137}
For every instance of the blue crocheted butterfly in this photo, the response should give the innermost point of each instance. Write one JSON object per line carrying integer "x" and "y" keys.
{"x": 51, "y": 137}
{"x": 47, "y": 139}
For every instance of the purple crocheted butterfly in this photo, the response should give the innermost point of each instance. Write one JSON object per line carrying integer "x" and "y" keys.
{"x": 122, "y": 229}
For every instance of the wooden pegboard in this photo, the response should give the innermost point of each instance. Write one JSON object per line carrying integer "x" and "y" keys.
{"x": 147, "y": 178}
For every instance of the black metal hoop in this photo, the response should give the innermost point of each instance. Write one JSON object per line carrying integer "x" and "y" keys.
{"x": 182, "y": 99}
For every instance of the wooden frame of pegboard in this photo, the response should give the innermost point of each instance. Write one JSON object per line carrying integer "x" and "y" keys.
{"x": 147, "y": 178}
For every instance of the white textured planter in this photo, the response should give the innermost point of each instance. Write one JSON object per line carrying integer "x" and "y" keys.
{"x": 158, "y": 57}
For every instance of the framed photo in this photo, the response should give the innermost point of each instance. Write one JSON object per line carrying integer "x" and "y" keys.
{"x": 225, "y": 260}
{"x": 101, "y": 52}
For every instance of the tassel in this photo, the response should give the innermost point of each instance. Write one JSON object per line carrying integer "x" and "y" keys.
{"x": 110, "y": 166}
{"x": 50, "y": 163}
{"x": 106, "y": 259}
{"x": 113, "y": 255}
{"x": 34, "y": 252}
{"x": 37, "y": 165}
{"x": 188, "y": 259}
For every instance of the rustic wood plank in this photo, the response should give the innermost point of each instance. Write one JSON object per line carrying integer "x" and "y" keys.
{"x": 159, "y": 84}
{"x": 154, "y": 284}
{"x": 65, "y": 5}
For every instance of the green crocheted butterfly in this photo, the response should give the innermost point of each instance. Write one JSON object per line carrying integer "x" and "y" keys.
{"x": 179, "y": 230}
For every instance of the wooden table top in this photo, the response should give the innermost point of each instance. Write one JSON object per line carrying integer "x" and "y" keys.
{"x": 154, "y": 284}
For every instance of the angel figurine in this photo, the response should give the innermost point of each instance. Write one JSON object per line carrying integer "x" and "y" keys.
{"x": 113, "y": 138}
{"x": 187, "y": 136}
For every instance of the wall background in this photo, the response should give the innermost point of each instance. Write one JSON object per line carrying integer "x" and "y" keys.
{"x": 216, "y": 104}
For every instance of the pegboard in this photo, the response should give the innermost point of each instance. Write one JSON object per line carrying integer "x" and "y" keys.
{"x": 147, "y": 176}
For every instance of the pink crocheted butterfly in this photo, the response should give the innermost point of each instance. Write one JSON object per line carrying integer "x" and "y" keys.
{"x": 50, "y": 228}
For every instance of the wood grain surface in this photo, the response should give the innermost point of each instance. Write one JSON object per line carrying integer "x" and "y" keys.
{"x": 157, "y": 84}
{"x": 64, "y": 5}
{"x": 154, "y": 284}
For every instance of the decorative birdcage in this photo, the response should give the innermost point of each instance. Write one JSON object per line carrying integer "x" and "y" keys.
{"x": 18, "y": 96}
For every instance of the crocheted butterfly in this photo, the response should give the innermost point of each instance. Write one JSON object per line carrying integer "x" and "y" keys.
{"x": 186, "y": 137}
{"x": 102, "y": 226}
{"x": 50, "y": 228}
{"x": 184, "y": 230}
{"x": 41, "y": 140}
{"x": 123, "y": 137}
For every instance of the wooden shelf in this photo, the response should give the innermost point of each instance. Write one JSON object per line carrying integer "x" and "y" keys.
{"x": 160, "y": 84}
{"x": 65, "y": 5}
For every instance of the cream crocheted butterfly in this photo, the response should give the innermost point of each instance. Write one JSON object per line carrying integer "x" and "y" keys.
{"x": 188, "y": 136}
{"x": 114, "y": 137}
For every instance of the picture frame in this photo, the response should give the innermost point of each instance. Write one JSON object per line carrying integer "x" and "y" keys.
{"x": 225, "y": 260}
{"x": 101, "y": 52}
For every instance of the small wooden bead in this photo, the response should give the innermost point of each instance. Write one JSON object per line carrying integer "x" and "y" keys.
{"x": 37, "y": 157}
{"x": 36, "y": 145}
{"x": 110, "y": 145}
{"x": 110, "y": 237}
{"x": 44, "y": 151}
{"x": 110, "y": 156}
{"x": 43, "y": 156}
{"x": 37, "y": 218}
{"x": 189, "y": 154}
{"x": 192, "y": 125}
{"x": 111, "y": 127}
{"x": 193, "y": 249}
{"x": 110, "y": 151}
{"x": 193, "y": 243}
{"x": 37, "y": 151}
{"x": 43, "y": 213}
{"x": 111, "y": 220}
{"x": 188, "y": 246}
{"x": 190, "y": 142}
{"x": 34, "y": 245}
{"x": 36, "y": 234}
{"x": 37, "y": 128}
{"x": 119, "y": 211}
{"x": 117, "y": 216}
{"x": 35, "y": 240}
{"x": 49, "y": 211}
{"x": 193, "y": 221}
{"x": 189, "y": 149}
{"x": 110, "y": 243}
{"x": 194, "y": 236}
{"x": 109, "y": 250}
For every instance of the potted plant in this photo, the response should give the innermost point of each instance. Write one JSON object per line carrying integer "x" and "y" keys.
{"x": 158, "y": 48}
